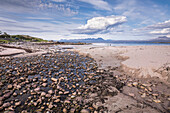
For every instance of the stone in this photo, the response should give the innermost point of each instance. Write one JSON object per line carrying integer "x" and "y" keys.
{"x": 50, "y": 92}
{"x": 37, "y": 89}
{"x": 48, "y": 95}
{"x": 18, "y": 103}
{"x": 66, "y": 92}
{"x": 15, "y": 94}
{"x": 85, "y": 111}
{"x": 67, "y": 101}
{"x": 72, "y": 110}
{"x": 43, "y": 94}
{"x": 44, "y": 84}
{"x": 64, "y": 110}
{"x": 10, "y": 86}
{"x": 60, "y": 92}
{"x": 5, "y": 105}
{"x": 50, "y": 106}
{"x": 157, "y": 101}
{"x": 18, "y": 87}
{"x": 44, "y": 80}
{"x": 143, "y": 95}
{"x": 54, "y": 79}
{"x": 1, "y": 102}
{"x": 57, "y": 100}
{"x": 135, "y": 84}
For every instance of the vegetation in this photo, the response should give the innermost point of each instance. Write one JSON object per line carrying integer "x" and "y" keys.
{"x": 6, "y": 38}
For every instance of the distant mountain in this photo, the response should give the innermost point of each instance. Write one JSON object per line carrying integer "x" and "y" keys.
{"x": 101, "y": 40}
{"x": 86, "y": 40}
{"x": 161, "y": 39}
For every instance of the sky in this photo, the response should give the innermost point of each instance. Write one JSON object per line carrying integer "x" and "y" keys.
{"x": 79, "y": 19}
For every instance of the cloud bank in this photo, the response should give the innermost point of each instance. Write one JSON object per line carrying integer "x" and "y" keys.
{"x": 99, "y": 4}
{"x": 99, "y": 24}
{"x": 160, "y": 28}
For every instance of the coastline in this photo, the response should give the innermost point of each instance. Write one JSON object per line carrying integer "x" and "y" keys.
{"x": 119, "y": 85}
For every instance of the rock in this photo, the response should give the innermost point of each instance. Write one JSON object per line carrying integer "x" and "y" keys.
{"x": 64, "y": 110}
{"x": 35, "y": 104}
{"x": 44, "y": 80}
{"x": 66, "y": 92}
{"x": 72, "y": 110}
{"x": 135, "y": 84}
{"x": 18, "y": 103}
{"x": 43, "y": 94}
{"x": 44, "y": 84}
{"x": 155, "y": 94}
{"x": 57, "y": 100}
{"x": 48, "y": 95}
{"x": 18, "y": 87}
{"x": 7, "y": 95}
{"x": 73, "y": 96}
{"x": 85, "y": 111}
{"x": 143, "y": 95}
{"x": 10, "y": 86}
{"x": 1, "y": 102}
{"x": 60, "y": 92}
{"x": 15, "y": 94}
{"x": 67, "y": 101}
{"x": 37, "y": 89}
{"x": 131, "y": 94}
{"x": 157, "y": 101}
{"x": 50, "y": 106}
{"x": 50, "y": 92}
{"x": 54, "y": 79}
{"x": 5, "y": 105}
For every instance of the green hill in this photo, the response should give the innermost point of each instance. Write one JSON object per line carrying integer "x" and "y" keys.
{"x": 6, "y": 38}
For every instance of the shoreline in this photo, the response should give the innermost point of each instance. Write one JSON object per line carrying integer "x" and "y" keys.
{"x": 115, "y": 88}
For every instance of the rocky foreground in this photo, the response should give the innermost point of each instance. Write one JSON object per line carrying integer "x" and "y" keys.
{"x": 65, "y": 81}
{"x": 57, "y": 82}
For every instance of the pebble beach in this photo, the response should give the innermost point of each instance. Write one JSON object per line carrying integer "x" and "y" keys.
{"x": 76, "y": 79}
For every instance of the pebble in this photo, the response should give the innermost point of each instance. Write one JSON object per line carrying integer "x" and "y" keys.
{"x": 43, "y": 94}
{"x": 72, "y": 110}
{"x": 135, "y": 84}
{"x": 50, "y": 92}
{"x": 10, "y": 86}
{"x": 44, "y": 84}
{"x": 5, "y": 105}
{"x": 15, "y": 94}
{"x": 157, "y": 101}
{"x": 1, "y": 102}
{"x": 143, "y": 95}
{"x": 37, "y": 89}
{"x": 48, "y": 95}
{"x": 57, "y": 100}
{"x": 18, "y": 103}
{"x": 54, "y": 79}
{"x": 85, "y": 111}
{"x": 64, "y": 110}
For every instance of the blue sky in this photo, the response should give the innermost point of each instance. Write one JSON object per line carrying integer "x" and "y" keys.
{"x": 72, "y": 19}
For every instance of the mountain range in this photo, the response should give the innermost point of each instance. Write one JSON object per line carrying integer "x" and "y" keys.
{"x": 162, "y": 39}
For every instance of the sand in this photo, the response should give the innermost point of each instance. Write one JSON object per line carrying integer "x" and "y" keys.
{"x": 11, "y": 51}
{"x": 141, "y": 61}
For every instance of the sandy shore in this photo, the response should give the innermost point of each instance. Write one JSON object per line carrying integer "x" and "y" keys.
{"x": 140, "y": 61}
{"x": 125, "y": 77}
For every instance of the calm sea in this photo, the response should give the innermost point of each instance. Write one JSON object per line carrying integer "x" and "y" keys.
{"x": 129, "y": 44}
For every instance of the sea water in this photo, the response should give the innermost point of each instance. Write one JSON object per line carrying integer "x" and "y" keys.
{"x": 128, "y": 44}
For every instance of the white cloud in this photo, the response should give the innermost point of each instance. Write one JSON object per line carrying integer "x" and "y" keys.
{"x": 99, "y": 4}
{"x": 162, "y": 25}
{"x": 98, "y": 24}
{"x": 58, "y": 0}
{"x": 165, "y": 31}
